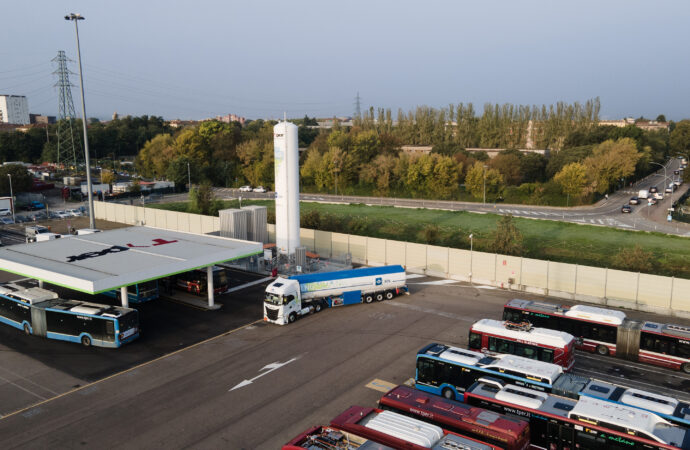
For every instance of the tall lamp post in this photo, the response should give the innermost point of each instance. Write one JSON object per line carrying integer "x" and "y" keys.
{"x": 9, "y": 175}
{"x": 471, "y": 254}
{"x": 189, "y": 178}
{"x": 92, "y": 220}
{"x": 485, "y": 166}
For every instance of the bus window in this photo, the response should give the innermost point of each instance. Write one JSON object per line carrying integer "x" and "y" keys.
{"x": 526, "y": 351}
{"x": 475, "y": 341}
{"x": 425, "y": 371}
{"x": 546, "y": 355}
{"x": 110, "y": 329}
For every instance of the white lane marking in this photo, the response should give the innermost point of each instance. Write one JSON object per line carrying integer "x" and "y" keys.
{"x": 437, "y": 283}
{"x": 447, "y": 315}
{"x": 267, "y": 369}
{"x": 246, "y": 285}
{"x": 23, "y": 389}
{"x": 29, "y": 381}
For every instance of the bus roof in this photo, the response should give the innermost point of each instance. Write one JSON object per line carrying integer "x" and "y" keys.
{"x": 542, "y": 336}
{"x": 405, "y": 428}
{"x": 621, "y": 415}
{"x": 596, "y": 314}
{"x": 462, "y": 356}
{"x": 31, "y": 295}
{"x": 528, "y": 367}
{"x": 590, "y": 409}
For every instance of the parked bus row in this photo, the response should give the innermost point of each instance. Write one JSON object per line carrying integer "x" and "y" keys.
{"x": 609, "y": 332}
{"x": 450, "y": 371}
{"x": 41, "y": 312}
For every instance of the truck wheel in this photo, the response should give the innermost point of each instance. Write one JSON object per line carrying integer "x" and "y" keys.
{"x": 379, "y": 297}
{"x": 389, "y": 295}
{"x": 685, "y": 367}
{"x": 602, "y": 350}
{"x": 448, "y": 393}
{"x": 292, "y": 317}
{"x": 317, "y": 307}
{"x": 368, "y": 298}
{"x": 27, "y": 330}
{"x": 86, "y": 341}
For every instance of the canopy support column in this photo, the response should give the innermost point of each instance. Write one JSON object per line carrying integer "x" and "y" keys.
{"x": 209, "y": 286}
{"x": 124, "y": 296}
{"x": 40, "y": 283}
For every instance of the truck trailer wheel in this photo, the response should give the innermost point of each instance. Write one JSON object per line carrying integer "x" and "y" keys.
{"x": 685, "y": 367}
{"x": 317, "y": 307}
{"x": 368, "y": 298}
{"x": 389, "y": 295}
{"x": 27, "y": 330}
{"x": 379, "y": 297}
{"x": 292, "y": 317}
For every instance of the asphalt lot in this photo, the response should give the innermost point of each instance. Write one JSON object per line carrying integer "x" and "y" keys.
{"x": 285, "y": 379}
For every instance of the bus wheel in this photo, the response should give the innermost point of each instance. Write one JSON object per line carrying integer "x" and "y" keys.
{"x": 685, "y": 367}
{"x": 389, "y": 295}
{"x": 379, "y": 297}
{"x": 448, "y": 393}
{"x": 368, "y": 298}
{"x": 86, "y": 341}
{"x": 27, "y": 330}
{"x": 292, "y": 317}
{"x": 602, "y": 350}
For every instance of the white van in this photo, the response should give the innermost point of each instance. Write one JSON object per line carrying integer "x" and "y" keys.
{"x": 644, "y": 193}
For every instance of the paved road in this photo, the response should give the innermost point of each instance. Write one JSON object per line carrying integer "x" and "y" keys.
{"x": 604, "y": 213}
{"x": 285, "y": 378}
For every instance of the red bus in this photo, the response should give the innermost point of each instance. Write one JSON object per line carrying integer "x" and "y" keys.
{"x": 559, "y": 423}
{"x": 609, "y": 332}
{"x": 521, "y": 339}
{"x": 402, "y": 432}
{"x": 497, "y": 429}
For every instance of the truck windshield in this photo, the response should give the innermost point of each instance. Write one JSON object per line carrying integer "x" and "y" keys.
{"x": 273, "y": 299}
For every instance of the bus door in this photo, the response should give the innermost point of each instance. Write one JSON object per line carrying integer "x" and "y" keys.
{"x": 38, "y": 321}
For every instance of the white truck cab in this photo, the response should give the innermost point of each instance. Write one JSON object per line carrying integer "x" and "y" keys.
{"x": 283, "y": 301}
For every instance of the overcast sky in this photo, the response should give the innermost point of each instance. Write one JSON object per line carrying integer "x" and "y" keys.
{"x": 191, "y": 60}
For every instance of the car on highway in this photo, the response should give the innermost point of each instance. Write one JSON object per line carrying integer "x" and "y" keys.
{"x": 659, "y": 195}
{"x": 21, "y": 218}
{"x": 653, "y": 190}
{"x": 61, "y": 214}
{"x": 259, "y": 189}
{"x": 670, "y": 188}
{"x": 74, "y": 212}
{"x": 6, "y": 220}
{"x": 246, "y": 188}
{"x": 626, "y": 209}
{"x": 39, "y": 216}
{"x": 634, "y": 201}
{"x": 652, "y": 201}
{"x": 5, "y": 212}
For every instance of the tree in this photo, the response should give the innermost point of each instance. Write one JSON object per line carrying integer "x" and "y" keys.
{"x": 202, "y": 200}
{"x": 155, "y": 156}
{"x": 508, "y": 164}
{"x": 380, "y": 172}
{"x": 21, "y": 179}
{"x": 610, "y": 161}
{"x": 572, "y": 179}
{"x": 135, "y": 187}
{"x": 533, "y": 167}
{"x": 661, "y": 118}
{"x": 108, "y": 177}
{"x": 680, "y": 138}
{"x": 507, "y": 239}
{"x": 634, "y": 259}
{"x": 478, "y": 178}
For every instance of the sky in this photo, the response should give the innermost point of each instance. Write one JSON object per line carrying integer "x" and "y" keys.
{"x": 261, "y": 59}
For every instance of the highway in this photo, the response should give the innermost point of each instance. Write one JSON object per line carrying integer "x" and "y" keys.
{"x": 255, "y": 385}
{"x": 604, "y": 213}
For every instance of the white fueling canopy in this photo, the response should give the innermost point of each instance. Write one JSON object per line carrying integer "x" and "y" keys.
{"x": 286, "y": 161}
{"x": 99, "y": 262}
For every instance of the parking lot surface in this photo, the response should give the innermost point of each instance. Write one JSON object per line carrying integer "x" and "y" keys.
{"x": 258, "y": 385}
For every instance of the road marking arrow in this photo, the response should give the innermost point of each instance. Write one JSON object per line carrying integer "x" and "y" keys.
{"x": 267, "y": 368}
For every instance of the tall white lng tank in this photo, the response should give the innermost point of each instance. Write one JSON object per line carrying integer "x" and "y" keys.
{"x": 287, "y": 187}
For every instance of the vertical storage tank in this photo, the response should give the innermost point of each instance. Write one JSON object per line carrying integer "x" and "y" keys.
{"x": 286, "y": 155}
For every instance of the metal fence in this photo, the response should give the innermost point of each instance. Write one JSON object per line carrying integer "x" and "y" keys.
{"x": 645, "y": 292}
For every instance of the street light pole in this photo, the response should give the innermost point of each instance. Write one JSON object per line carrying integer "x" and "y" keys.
{"x": 189, "y": 178}
{"x": 92, "y": 220}
{"x": 484, "y": 202}
{"x": 9, "y": 175}
{"x": 471, "y": 254}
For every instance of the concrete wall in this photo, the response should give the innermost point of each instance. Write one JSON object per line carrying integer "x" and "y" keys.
{"x": 644, "y": 292}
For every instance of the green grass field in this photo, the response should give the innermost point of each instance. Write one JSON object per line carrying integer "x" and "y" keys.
{"x": 543, "y": 239}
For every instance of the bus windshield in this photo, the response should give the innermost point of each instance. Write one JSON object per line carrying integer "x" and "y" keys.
{"x": 128, "y": 321}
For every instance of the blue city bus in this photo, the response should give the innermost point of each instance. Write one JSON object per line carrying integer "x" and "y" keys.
{"x": 41, "y": 312}
{"x": 138, "y": 293}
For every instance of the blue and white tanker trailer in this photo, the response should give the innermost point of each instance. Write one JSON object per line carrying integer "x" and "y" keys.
{"x": 287, "y": 299}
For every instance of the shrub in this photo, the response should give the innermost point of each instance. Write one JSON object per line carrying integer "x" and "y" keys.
{"x": 634, "y": 259}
